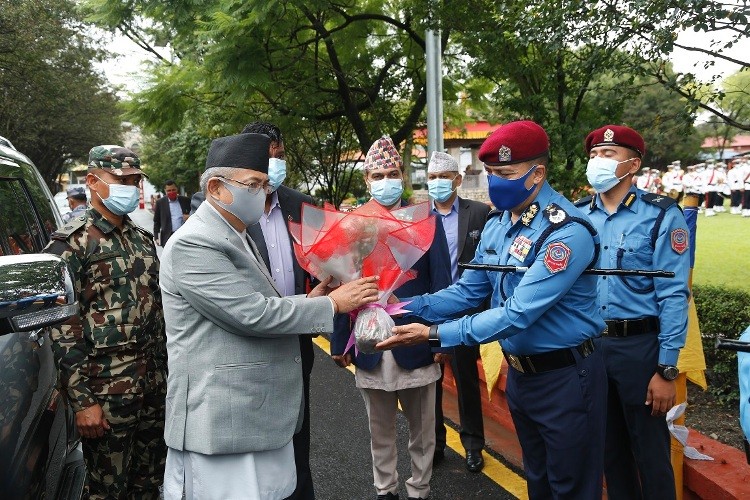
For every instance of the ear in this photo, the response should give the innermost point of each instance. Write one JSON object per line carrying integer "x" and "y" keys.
{"x": 213, "y": 185}
{"x": 91, "y": 179}
{"x": 539, "y": 173}
{"x": 636, "y": 167}
{"x": 459, "y": 180}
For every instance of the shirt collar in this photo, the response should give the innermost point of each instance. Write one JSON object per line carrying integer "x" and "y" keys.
{"x": 629, "y": 201}
{"x": 274, "y": 201}
{"x": 533, "y": 212}
{"x": 107, "y": 227}
{"x": 454, "y": 207}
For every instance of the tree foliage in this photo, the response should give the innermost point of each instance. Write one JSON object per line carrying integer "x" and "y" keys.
{"x": 53, "y": 105}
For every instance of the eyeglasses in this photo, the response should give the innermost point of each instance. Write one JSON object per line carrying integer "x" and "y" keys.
{"x": 252, "y": 187}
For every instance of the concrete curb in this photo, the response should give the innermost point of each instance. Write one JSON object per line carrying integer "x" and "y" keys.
{"x": 726, "y": 477}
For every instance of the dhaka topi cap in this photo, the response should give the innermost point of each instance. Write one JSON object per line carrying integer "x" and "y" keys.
{"x": 383, "y": 154}
{"x": 248, "y": 151}
{"x": 118, "y": 160}
{"x": 514, "y": 142}
{"x": 441, "y": 162}
{"x": 77, "y": 193}
{"x": 616, "y": 135}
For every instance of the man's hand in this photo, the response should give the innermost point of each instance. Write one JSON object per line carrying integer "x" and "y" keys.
{"x": 343, "y": 360}
{"x": 441, "y": 357}
{"x": 185, "y": 217}
{"x": 355, "y": 294}
{"x": 91, "y": 422}
{"x": 411, "y": 334}
{"x": 321, "y": 289}
{"x": 661, "y": 395}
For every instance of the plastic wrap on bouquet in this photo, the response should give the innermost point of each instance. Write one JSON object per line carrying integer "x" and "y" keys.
{"x": 369, "y": 241}
{"x": 372, "y": 325}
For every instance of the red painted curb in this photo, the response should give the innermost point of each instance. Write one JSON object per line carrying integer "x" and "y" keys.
{"x": 726, "y": 477}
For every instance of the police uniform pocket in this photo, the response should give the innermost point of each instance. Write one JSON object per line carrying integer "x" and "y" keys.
{"x": 636, "y": 253}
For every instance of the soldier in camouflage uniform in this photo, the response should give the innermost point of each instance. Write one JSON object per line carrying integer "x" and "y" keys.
{"x": 112, "y": 358}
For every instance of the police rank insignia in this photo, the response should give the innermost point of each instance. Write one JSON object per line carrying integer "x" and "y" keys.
{"x": 529, "y": 214}
{"x": 520, "y": 248}
{"x": 503, "y": 154}
{"x": 557, "y": 257}
{"x": 679, "y": 240}
{"x": 555, "y": 214}
{"x": 609, "y": 134}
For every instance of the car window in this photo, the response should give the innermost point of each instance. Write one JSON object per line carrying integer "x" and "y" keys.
{"x": 20, "y": 231}
{"x": 41, "y": 199}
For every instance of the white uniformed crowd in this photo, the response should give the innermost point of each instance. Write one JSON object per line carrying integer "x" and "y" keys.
{"x": 712, "y": 181}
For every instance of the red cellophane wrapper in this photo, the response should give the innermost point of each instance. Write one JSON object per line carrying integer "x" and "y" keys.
{"x": 369, "y": 241}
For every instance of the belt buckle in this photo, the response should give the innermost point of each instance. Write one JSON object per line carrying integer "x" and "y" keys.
{"x": 515, "y": 362}
{"x": 605, "y": 332}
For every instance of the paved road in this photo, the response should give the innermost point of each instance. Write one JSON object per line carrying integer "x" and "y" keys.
{"x": 340, "y": 448}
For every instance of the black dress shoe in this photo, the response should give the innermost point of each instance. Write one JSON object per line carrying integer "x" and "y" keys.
{"x": 474, "y": 461}
{"x": 438, "y": 457}
{"x": 388, "y": 496}
{"x": 417, "y": 498}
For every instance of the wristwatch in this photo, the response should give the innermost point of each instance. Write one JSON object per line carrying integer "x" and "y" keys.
{"x": 433, "y": 338}
{"x": 667, "y": 372}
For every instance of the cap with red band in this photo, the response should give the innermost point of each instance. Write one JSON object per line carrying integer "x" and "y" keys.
{"x": 616, "y": 135}
{"x": 514, "y": 142}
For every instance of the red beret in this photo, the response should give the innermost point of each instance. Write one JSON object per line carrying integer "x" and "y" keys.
{"x": 616, "y": 135}
{"x": 514, "y": 142}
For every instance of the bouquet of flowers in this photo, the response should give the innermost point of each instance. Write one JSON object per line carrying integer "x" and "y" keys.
{"x": 369, "y": 241}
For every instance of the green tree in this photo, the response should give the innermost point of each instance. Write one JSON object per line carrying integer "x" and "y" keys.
{"x": 54, "y": 106}
{"x": 665, "y": 121}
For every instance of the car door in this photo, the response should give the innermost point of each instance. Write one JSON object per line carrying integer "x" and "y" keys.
{"x": 28, "y": 400}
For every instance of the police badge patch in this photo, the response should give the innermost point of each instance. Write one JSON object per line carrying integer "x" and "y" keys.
{"x": 557, "y": 257}
{"x": 679, "y": 240}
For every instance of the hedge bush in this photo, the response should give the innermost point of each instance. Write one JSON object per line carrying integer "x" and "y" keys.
{"x": 722, "y": 312}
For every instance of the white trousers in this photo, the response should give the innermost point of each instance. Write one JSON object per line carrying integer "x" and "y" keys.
{"x": 418, "y": 405}
{"x": 265, "y": 475}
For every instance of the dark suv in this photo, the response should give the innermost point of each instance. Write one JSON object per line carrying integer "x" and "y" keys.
{"x": 40, "y": 456}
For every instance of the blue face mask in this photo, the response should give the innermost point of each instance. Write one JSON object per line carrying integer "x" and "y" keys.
{"x": 122, "y": 199}
{"x": 276, "y": 172}
{"x": 440, "y": 189}
{"x": 506, "y": 194}
{"x": 601, "y": 173}
{"x": 387, "y": 191}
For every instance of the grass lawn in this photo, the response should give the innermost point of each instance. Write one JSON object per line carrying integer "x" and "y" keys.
{"x": 722, "y": 255}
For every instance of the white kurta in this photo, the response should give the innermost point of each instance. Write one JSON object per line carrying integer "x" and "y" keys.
{"x": 262, "y": 475}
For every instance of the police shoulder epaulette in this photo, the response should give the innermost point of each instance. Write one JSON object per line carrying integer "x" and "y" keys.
{"x": 583, "y": 201}
{"x": 663, "y": 202}
{"x": 494, "y": 213}
{"x": 70, "y": 227}
{"x": 555, "y": 215}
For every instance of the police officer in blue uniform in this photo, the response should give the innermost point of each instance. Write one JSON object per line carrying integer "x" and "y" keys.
{"x": 646, "y": 317}
{"x": 545, "y": 318}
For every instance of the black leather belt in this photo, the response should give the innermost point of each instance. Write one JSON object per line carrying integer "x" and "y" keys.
{"x": 630, "y": 327}
{"x": 546, "y": 361}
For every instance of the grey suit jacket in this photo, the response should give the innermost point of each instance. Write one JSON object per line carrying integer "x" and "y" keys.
{"x": 235, "y": 379}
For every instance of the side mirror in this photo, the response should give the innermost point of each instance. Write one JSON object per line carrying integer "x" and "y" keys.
{"x": 36, "y": 290}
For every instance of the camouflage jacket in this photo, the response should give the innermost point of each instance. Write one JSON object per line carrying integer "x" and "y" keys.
{"x": 118, "y": 341}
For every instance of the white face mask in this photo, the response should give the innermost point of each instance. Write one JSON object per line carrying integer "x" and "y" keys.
{"x": 601, "y": 173}
{"x": 247, "y": 207}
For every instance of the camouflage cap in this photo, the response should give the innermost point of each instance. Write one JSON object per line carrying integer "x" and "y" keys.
{"x": 117, "y": 159}
{"x": 76, "y": 192}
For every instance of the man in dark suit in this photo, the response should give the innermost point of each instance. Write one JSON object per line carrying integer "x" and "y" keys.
{"x": 271, "y": 236}
{"x": 463, "y": 221}
{"x": 170, "y": 213}
{"x": 406, "y": 375}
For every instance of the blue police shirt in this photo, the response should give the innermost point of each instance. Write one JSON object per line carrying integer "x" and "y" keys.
{"x": 626, "y": 243}
{"x": 743, "y": 367}
{"x": 550, "y": 306}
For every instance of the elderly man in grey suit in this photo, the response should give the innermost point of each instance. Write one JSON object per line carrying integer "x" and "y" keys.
{"x": 234, "y": 391}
